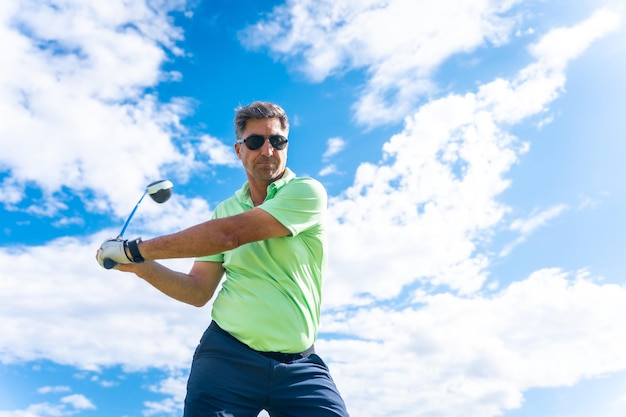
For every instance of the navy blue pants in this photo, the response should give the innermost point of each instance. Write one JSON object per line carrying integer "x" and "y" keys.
{"x": 229, "y": 379}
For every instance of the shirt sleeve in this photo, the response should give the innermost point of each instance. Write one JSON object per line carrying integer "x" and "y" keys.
{"x": 299, "y": 205}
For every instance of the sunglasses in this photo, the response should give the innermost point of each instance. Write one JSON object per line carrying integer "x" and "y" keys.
{"x": 254, "y": 142}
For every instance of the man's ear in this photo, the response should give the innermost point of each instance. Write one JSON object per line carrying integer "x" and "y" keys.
{"x": 237, "y": 150}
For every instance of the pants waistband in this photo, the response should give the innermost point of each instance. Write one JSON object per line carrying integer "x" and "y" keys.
{"x": 277, "y": 356}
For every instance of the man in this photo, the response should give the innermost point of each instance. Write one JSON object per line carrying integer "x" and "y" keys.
{"x": 269, "y": 241}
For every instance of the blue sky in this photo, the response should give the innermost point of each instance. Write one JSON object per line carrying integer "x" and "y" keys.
{"x": 472, "y": 152}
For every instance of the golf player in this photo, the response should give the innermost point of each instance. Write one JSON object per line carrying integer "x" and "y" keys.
{"x": 268, "y": 240}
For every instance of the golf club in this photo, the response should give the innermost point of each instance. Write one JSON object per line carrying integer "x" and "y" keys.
{"x": 159, "y": 191}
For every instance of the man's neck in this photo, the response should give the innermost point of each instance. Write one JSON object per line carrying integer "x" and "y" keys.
{"x": 258, "y": 189}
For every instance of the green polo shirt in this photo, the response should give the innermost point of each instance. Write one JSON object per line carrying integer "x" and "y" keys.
{"x": 270, "y": 299}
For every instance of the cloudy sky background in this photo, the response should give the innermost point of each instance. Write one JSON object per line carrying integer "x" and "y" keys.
{"x": 472, "y": 151}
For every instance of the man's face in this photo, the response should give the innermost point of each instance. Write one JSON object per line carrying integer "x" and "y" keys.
{"x": 265, "y": 164}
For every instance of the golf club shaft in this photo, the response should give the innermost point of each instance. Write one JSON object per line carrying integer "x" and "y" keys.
{"x": 132, "y": 213}
{"x": 160, "y": 192}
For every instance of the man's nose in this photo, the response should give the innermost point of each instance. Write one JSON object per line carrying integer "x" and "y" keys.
{"x": 267, "y": 149}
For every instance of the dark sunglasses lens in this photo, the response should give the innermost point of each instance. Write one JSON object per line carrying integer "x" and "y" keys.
{"x": 278, "y": 142}
{"x": 254, "y": 142}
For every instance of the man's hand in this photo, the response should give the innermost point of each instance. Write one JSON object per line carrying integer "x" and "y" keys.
{"x": 113, "y": 252}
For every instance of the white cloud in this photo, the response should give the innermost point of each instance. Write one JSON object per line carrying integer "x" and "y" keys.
{"x": 476, "y": 356}
{"x": 78, "y": 402}
{"x": 331, "y": 37}
{"x": 527, "y": 226}
{"x": 565, "y": 44}
{"x": 399, "y": 43}
{"x": 72, "y": 87}
{"x": 536, "y": 220}
{"x": 218, "y": 152}
{"x": 422, "y": 213}
{"x": 56, "y": 389}
{"x": 11, "y": 192}
{"x": 328, "y": 170}
{"x": 175, "y": 387}
{"x": 68, "y": 221}
{"x": 36, "y": 410}
{"x": 67, "y": 406}
{"x": 334, "y": 146}
{"x": 106, "y": 315}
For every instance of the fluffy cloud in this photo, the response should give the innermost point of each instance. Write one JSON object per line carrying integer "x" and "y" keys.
{"x": 422, "y": 213}
{"x": 398, "y": 43}
{"x": 73, "y": 80}
{"x": 451, "y": 355}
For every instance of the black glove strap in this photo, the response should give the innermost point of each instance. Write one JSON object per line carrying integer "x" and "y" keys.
{"x": 134, "y": 250}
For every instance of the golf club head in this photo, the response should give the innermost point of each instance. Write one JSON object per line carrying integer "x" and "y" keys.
{"x": 160, "y": 191}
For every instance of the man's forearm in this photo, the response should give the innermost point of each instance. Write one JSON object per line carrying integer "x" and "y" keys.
{"x": 182, "y": 287}
{"x": 206, "y": 238}
{"x": 214, "y": 236}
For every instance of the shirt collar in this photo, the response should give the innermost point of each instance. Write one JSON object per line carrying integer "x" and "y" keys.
{"x": 243, "y": 194}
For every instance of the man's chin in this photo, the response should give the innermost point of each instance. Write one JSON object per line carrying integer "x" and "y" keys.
{"x": 269, "y": 174}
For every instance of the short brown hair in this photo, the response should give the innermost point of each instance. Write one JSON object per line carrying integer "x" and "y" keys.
{"x": 259, "y": 110}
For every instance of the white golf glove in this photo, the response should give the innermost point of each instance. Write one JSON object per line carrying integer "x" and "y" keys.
{"x": 113, "y": 252}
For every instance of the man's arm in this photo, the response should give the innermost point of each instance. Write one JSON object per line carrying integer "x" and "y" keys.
{"x": 195, "y": 288}
{"x": 208, "y": 238}
{"x": 214, "y": 236}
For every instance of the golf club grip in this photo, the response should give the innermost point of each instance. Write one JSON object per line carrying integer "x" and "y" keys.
{"x": 109, "y": 263}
